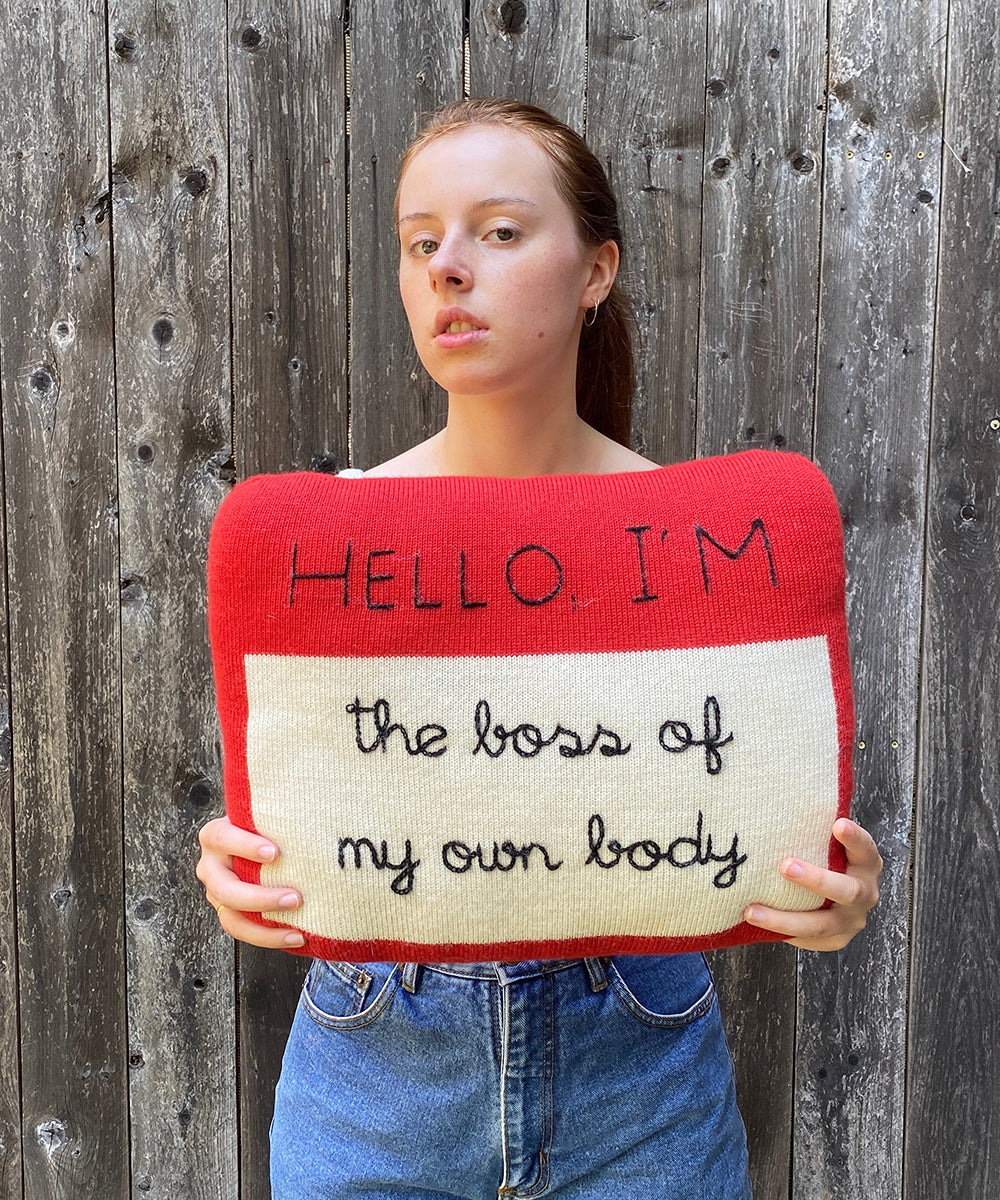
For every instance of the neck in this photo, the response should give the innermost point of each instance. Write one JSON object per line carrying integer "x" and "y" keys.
{"x": 513, "y": 441}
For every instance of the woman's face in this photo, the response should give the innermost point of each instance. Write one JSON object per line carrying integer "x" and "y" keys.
{"x": 484, "y": 230}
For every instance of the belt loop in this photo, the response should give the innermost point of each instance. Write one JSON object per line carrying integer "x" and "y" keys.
{"x": 596, "y": 973}
{"x": 411, "y": 976}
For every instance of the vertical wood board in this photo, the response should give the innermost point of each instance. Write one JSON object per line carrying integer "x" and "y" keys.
{"x": 62, "y": 563}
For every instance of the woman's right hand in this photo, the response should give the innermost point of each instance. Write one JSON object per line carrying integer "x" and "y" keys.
{"x": 221, "y": 840}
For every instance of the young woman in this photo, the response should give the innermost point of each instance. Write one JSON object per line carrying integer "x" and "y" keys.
{"x": 590, "y": 1078}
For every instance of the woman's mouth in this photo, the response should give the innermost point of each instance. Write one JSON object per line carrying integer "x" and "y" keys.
{"x": 459, "y": 333}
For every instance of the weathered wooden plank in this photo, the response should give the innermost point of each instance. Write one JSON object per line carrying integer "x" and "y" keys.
{"x": 62, "y": 568}
{"x": 763, "y": 147}
{"x": 952, "y": 1109}
{"x": 876, "y": 324}
{"x": 287, "y": 137}
{"x": 406, "y": 60}
{"x": 645, "y": 121}
{"x": 10, "y": 1099}
{"x": 757, "y": 337}
{"x": 168, "y": 147}
{"x": 533, "y": 51}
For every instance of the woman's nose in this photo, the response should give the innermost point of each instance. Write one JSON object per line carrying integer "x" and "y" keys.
{"x": 448, "y": 266}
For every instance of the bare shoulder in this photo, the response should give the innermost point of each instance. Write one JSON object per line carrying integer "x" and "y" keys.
{"x": 417, "y": 460}
{"x": 623, "y": 459}
{"x": 613, "y": 457}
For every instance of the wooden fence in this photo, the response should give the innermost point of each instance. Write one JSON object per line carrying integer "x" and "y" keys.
{"x": 812, "y": 200}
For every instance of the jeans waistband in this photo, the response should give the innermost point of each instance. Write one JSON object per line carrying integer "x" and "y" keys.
{"x": 507, "y": 973}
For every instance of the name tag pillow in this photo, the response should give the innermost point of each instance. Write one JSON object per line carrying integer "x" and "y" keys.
{"x": 552, "y": 717}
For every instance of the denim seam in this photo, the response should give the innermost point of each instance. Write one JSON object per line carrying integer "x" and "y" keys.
{"x": 360, "y": 1018}
{"x": 541, "y": 1180}
{"x": 662, "y": 1020}
{"x": 548, "y": 1123}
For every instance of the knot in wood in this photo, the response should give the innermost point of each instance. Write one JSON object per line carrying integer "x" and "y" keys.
{"x": 163, "y": 331}
{"x": 51, "y": 1136}
{"x": 511, "y": 16}
{"x": 196, "y": 182}
{"x": 125, "y": 45}
{"x": 41, "y": 380}
{"x": 325, "y": 462}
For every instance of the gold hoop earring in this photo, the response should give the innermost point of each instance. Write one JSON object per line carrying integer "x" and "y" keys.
{"x": 594, "y": 317}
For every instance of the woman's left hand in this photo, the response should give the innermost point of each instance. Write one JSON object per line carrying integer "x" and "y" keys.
{"x": 853, "y": 893}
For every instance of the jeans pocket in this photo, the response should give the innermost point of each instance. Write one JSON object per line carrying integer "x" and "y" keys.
{"x": 665, "y": 990}
{"x": 343, "y": 995}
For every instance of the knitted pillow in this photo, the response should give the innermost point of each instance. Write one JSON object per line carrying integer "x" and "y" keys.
{"x": 550, "y": 717}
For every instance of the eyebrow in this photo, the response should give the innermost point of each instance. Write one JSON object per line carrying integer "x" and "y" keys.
{"x": 479, "y": 205}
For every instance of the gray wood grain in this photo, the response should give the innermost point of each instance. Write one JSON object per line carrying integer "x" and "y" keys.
{"x": 533, "y": 51}
{"x": 288, "y": 214}
{"x": 760, "y": 225}
{"x": 756, "y": 338}
{"x": 406, "y": 60}
{"x": 876, "y": 324}
{"x": 952, "y": 1097}
{"x": 646, "y": 123}
{"x": 288, "y": 199}
{"x": 10, "y": 1101}
{"x": 168, "y": 150}
{"x": 62, "y": 570}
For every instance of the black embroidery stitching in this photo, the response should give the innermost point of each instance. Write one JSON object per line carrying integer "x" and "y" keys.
{"x": 402, "y": 885}
{"x": 712, "y": 726}
{"x": 384, "y": 729}
{"x": 417, "y": 601}
{"x": 370, "y": 579}
{"x": 756, "y": 526}
{"x": 535, "y": 740}
{"x": 461, "y": 576}
{"x": 702, "y": 854}
{"x": 319, "y": 574}
{"x": 516, "y": 854}
{"x": 510, "y": 583}
{"x": 639, "y": 530}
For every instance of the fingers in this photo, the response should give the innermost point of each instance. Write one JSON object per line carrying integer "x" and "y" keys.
{"x": 245, "y": 930}
{"x": 828, "y": 885}
{"x": 222, "y": 886}
{"x": 221, "y": 836}
{"x": 852, "y": 894}
{"x": 818, "y": 929}
{"x": 858, "y": 844}
{"x": 221, "y": 841}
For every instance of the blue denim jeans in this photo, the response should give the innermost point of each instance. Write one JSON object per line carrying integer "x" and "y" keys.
{"x": 587, "y": 1078}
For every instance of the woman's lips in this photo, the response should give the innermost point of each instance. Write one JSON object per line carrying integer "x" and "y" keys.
{"x": 449, "y": 340}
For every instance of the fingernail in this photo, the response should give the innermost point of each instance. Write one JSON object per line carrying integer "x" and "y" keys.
{"x": 289, "y": 900}
{"x": 294, "y": 939}
{"x": 792, "y": 869}
{"x": 752, "y": 914}
{"x": 269, "y": 853}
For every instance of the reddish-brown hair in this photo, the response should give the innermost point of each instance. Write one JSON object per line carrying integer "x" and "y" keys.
{"x": 604, "y": 370}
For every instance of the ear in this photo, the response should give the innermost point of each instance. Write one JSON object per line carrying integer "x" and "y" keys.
{"x": 603, "y": 269}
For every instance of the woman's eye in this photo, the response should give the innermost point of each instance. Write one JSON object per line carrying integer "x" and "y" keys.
{"x": 504, "y": 233}
{"x": 421, "y": 246}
